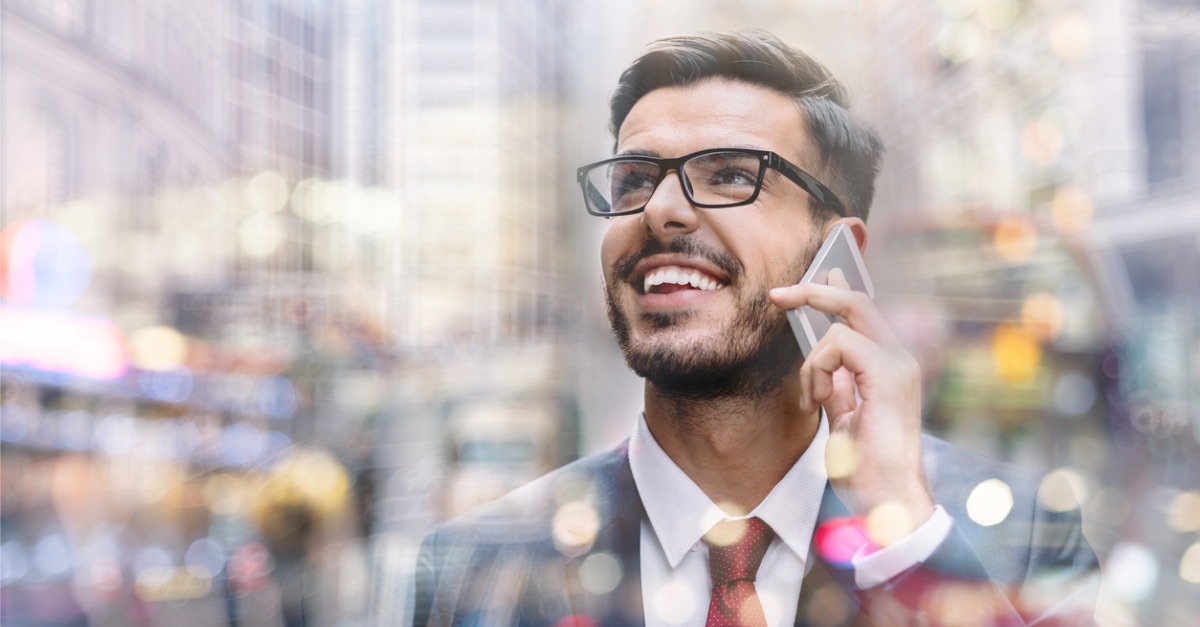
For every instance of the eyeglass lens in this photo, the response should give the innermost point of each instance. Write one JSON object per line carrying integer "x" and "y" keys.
{"x": 714, "y": 179}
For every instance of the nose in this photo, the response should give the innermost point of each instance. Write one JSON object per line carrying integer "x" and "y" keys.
{"x": 669, "y": 212}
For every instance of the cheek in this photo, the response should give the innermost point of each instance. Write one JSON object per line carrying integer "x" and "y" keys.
{"x": 618, "y": 242}
{"x": 781, "y": 256}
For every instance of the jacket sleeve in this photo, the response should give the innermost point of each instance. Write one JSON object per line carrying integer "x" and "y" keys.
{"x": 424, "y": 583}
{"x": 1059, "y": 584}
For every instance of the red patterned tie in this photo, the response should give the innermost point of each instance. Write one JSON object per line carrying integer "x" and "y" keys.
{"x": 735, "y": 548}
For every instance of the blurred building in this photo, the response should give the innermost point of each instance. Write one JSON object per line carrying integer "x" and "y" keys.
{"x": 159, "y": 285}
{"x": 482, "y": 278}
{"x": 1040, "y": 240}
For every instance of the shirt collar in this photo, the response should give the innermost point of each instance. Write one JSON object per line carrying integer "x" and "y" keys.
{"x": 680, "y": 513}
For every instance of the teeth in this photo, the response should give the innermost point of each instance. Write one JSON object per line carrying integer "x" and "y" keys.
{"x": 679, "y": 276}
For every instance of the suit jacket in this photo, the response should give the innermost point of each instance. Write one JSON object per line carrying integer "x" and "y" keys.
{"x": 524, "y": 559}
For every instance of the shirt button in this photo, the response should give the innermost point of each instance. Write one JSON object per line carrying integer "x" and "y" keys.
{"x": 696, "y": 546}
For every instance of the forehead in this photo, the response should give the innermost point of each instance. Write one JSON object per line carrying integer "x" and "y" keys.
{"x": 672, "y": 121}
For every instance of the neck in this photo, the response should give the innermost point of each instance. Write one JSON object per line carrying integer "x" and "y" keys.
{"x": 735, "y": 448}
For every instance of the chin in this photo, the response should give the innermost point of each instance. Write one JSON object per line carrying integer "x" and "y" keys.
{"x": 714, "y": 365}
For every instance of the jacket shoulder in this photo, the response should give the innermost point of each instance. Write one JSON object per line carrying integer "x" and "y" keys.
{"x": 1014, "y": 533}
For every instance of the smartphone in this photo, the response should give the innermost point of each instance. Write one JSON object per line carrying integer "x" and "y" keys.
{"x": 838, "y": 251}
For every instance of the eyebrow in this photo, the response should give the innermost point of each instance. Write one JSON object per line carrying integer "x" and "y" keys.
{"x": 636, "y": 153}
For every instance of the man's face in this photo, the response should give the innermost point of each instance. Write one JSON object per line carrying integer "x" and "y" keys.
{"x": 707, "y": 328}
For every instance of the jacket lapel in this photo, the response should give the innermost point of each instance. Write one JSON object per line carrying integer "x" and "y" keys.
{"x": 621, "y": 515}
{"x": 828, "y": 594}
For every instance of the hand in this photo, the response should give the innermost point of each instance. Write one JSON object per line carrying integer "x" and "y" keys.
{"x": 870, "y": 388}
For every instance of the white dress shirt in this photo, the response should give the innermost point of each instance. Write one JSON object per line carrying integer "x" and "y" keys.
{"x": 675, "y": 581}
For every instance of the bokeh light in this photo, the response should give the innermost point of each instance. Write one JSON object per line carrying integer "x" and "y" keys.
{"x": 1108, "y": 506}
{"x": 888, "y": 522}
{"x": 225, "y": 494}
{"x": 1042, "y": 314}
{"x": 1071, "y": 209}
{"x": 838, "y": 539}
{"x": 204, "y": 558}
{"x": 170, "y": 386}
{"x": 998, "y": 15}
{"x": 14, "y": 561}
{"x": 1074, "y": 393}
{"x": 1015, "y": 239}
{"x": 673, "y": 603}
{"x": 311, "y": 201}
{"x": 1062, "y": 490}
{"x": 311, "y": 477}
{"x": 990, "y": 502}
{"x": 260, "y": 234}
{"x": 574, "y": 527}
{"x": 42, "y": 264}
{"x": 158, "y": 348}
{"x": 276, "y": 396}
{"x": 1071, "y": 36}
{"x": 116, "y": 434}
{"x": 1183, "y": 514}
{"x": 600, "y": 573}
{"x": 727, "y": 532}
{"x": 1132, "y": 571}
{"x": 841, "y": 455}
{"x": 267, "y": 192}
{"x": 1189, "y": 564}
{"x": 1016, "y": 353}
{"x": 52, "y": 556}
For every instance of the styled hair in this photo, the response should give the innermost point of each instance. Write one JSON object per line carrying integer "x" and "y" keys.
{"x": 849, "y": 148}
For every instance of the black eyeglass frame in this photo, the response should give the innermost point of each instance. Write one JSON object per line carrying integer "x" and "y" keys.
{"x": 665, "y": 165}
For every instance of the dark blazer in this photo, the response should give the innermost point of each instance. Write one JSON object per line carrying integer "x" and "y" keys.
{"x": 503, "y": 565}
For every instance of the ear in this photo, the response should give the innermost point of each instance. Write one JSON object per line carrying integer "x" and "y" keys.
{"x": 857, "y": 227}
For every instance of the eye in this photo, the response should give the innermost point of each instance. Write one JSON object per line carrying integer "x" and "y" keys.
{"x": 732, "y": 176}
{"x": 725, "y": 170}
{"x": 628, "y": 178}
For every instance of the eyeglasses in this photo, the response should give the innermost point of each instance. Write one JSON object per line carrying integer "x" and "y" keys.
{"x": 717, "y": 177}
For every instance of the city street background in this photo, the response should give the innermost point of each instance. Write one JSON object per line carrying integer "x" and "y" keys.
{"x": 284, "y": 283}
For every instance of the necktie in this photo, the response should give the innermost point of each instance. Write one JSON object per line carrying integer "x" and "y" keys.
{"x": 735, "y": 548}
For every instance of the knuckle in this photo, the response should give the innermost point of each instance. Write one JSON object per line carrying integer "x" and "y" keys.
{"x": 854, "y": 301}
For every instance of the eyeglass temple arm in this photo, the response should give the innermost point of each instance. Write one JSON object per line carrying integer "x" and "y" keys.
{"x": 811, "y": 185}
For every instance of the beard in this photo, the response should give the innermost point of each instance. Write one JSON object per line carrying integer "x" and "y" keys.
{"x": 748, "y": 357}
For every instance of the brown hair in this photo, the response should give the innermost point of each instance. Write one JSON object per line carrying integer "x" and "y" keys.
{"x": 849, "y": 147}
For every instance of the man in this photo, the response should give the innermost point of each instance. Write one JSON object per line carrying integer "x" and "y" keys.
{"x": 719, "y": 509}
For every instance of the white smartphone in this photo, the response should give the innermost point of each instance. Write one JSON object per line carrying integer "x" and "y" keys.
{"x": 838, "y": 251}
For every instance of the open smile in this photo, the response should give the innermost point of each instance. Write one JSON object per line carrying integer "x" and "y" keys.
{"x": 672, "y": 278}
{"x": 674, "y": 281}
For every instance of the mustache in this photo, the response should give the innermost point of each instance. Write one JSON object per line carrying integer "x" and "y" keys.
{"x": 727, "y": 263}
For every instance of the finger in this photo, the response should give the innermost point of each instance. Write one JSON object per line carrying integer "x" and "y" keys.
{"x": 837, "y": 279}
{"x": 854, "y": 308}
{"x": 820, "y": 381}
{"x": 843, "y": 347}
{"x": 843, "y": 400}
{"x": 807, "y": 404}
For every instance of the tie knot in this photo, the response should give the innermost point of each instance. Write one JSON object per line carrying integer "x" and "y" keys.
{"x": 735, "y": 548}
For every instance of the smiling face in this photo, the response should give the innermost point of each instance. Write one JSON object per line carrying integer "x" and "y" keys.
{"x": 687, "y": 287}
